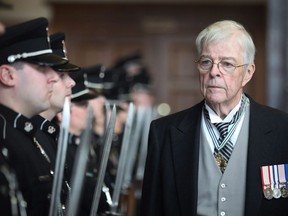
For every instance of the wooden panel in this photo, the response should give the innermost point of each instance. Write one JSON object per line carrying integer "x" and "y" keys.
{"x": 98, "y": 51}
{"x": 181, "y": 59}
{"x": 183, "y": 76}
{"x": 183, "y": 99}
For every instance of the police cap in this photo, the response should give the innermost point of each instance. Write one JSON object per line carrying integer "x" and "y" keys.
{"x": 57, "y": 41}
{"x": 80, "y": 92}
{"x": 94, "y": 77}
{"x": 123, "y": 62}
{"x": 28, "y": 42}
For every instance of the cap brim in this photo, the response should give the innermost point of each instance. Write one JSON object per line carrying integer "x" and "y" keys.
{"x": 97, "y": 91}
{"x": 68, "y": 67}
{"x": 49, "y": 59}
{"x": 87, "y": 96}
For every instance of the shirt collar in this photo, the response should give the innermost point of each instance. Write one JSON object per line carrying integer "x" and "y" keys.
{"x": 46, "y": 126}
{"x": 214, "y": 118}
{"x": 18, "y": 121}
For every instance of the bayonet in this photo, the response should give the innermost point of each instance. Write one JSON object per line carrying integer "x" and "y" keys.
{"x": 103, "y": 163}
{"x": 133, "y": 149}
{"x": 143, "y": 144}
{"x": 55, "y": 204}
{"x": 107, "y": 110}
{"x": 122, "y": 159}
{"x": 78, "y": 172}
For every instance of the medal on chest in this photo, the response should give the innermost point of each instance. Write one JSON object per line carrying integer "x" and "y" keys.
{"x": 220, "y": 161}
{"x": 274, "y": 181}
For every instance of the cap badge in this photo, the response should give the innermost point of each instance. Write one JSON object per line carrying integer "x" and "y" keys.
{"x": 28, "y": 126}
{"x": 51, "y": 129}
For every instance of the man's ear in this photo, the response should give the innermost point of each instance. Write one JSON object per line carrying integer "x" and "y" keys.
{"x": 248, "y": 74}
{"x": 7, "y": 75}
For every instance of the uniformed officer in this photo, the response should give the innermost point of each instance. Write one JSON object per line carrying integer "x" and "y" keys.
{"x": 11, "y": 198}
{"x": 61, "y": 89}
{"x": 78, "y": 112}
{"x": 134, "y": 85}
{"x": 26, "y": 82}
{"x": 106, "y": 83}
{"x": 96, "y": 78}
{"x": 132, "y": 73}
{"x": 48, "y": 131}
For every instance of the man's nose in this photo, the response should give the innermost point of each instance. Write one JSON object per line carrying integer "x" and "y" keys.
{"x": 215, "y": 69}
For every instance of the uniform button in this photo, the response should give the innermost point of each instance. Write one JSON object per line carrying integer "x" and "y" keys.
{"x": 223, "y": 199}
{"x": 222, "y": 213}
{"x": 223, "y": 185}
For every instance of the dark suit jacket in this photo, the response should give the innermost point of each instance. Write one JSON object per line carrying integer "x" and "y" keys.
{"x": 171, "y": 172}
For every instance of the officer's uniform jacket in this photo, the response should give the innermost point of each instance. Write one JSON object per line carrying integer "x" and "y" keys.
{"x": 47, "y": 134}
{"x": 5, "y": 198}
{"x": 32, "y": 169}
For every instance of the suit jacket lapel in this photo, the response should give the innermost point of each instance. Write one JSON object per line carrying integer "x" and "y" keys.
{"x": 260, "y": 147}
{"x": 185, "y": 150}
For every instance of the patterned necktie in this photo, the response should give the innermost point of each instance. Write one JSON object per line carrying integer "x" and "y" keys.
{"x": 227, "y": 149}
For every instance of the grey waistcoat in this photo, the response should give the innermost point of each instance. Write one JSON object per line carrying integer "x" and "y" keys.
{"x": 223, "y": 194}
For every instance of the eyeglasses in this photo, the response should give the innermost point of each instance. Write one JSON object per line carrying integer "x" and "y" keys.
{"x": 224, "y": 66}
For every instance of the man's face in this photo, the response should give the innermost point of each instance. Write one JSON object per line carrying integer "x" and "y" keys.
{"x": 218, "y": 87}
{"x": 98, "y": 104}
{"x": 78, "y": 116}
{"x": 142, "y": 98}
{"x": 61, "y": 89}
{"x": 34, "y": 86}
